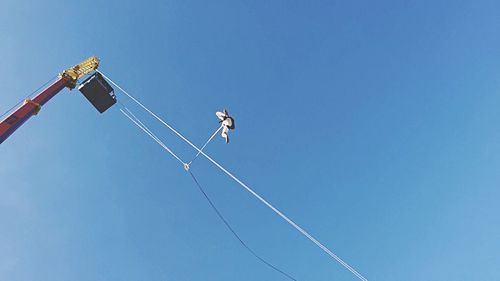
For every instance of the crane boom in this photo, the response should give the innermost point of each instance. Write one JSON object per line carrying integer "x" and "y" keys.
{"x": 68, "y": 78}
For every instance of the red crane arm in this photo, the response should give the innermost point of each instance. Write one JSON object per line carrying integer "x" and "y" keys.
{"x": 29, "y": 108}
{"x": 67, "y": 78}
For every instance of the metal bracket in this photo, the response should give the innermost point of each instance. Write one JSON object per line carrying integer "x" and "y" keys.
{"x": 36, "y": 105}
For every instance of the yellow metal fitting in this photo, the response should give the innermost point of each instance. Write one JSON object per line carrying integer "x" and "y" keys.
{"x": 71, "y": 75}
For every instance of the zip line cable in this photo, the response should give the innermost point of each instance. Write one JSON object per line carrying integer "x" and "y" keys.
{"x": 251, "y": 191}
{"x": 146, "y": 130}
{"x": 234, "y": 232}
{"x": 279, "y": 213}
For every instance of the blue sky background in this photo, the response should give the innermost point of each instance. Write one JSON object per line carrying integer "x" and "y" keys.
{"x": 373, "y": 124}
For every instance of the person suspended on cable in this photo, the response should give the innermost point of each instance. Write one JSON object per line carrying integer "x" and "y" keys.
{"x": 227, "y": 123}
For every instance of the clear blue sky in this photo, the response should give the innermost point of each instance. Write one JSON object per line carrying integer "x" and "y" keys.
{"x": 374, "y": 124}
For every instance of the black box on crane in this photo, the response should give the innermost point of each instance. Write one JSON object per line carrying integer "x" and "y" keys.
{"x": 98, "y": 91}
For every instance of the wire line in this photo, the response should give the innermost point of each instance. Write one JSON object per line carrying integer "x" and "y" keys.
{"x": 234, "y": 232}
{"x": 146, "y": 130}
{"x": 260, "y": 198}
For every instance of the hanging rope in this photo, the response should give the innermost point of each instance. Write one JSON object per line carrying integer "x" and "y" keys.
{"x": 260, "y": 198}
{"x": 234, "y": 232}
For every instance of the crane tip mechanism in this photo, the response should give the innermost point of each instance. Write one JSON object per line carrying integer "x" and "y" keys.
{"x": 72, "y": 74}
